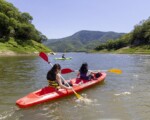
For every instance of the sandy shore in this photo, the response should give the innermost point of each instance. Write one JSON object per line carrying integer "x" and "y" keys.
{"x": 7, "y": 53}
{"x": 11, "y": 53}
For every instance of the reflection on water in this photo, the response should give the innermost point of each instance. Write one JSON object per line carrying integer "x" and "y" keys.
{"x": 120, "y": 97}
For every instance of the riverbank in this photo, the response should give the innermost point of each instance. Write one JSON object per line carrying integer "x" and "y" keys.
{"x": 12, "y": 48}
{"x": 128, "y": 50}
{"x": 12, "y": 53}
{"x": 145, "y": 49}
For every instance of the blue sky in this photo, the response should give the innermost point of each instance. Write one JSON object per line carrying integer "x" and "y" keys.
{"x": 62, "y": 18}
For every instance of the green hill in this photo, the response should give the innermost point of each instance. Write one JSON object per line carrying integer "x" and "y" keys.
{"x": 81, "y": 41}
{"x": 16, "y": 28}
{"x": 137, "y": 41}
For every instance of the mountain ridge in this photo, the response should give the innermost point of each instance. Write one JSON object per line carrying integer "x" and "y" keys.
{"x": 83, "y": 40}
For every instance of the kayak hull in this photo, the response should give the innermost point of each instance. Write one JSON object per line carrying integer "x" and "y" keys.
{"x": 49, "y": 93}
{"x": 69, "y": 58}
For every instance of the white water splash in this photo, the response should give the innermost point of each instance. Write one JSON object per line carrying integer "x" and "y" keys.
{"x": 123, "y": 93}
{"x": 7, "y": 114}
{"x": 84, "y": 99}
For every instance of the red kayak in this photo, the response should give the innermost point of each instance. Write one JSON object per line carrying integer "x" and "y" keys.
{"x": 49, "y": 93}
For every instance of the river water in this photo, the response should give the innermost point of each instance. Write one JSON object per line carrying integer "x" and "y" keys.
{"x": 120, "y": 97}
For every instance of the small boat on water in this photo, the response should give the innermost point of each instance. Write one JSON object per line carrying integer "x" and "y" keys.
{"x": 68, "y": 58}
{"x": 50, "y": 93}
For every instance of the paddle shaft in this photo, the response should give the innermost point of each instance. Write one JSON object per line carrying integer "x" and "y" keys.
{"x": 114, "y": 70}
{"x": 45, "y": 57}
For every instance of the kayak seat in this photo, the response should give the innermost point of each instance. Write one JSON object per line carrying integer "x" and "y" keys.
{"x": 97, "y": 75}
{"x": 46, "y": 90}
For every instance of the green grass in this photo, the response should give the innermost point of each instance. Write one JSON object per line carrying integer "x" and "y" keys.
{"x": 143, "y": 49}
{"x": 28, "y": 47}
{"x": 35, "y": 47}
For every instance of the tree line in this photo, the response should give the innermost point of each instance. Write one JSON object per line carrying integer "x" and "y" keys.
{"x": 17, "y": 25}
{"x": 140, "y": 35}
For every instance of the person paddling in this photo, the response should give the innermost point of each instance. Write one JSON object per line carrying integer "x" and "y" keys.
{"x": 63, "y": 56}
{"x": 85, "y": 74}
{"x": 54, "y": 78}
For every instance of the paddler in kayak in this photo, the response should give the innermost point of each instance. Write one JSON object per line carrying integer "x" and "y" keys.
{"x": 63, "y": 56}
{"x": 85, "y": 74}
{"x": 54, "y": 78}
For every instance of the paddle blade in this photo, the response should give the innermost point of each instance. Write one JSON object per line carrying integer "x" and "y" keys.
{"x": 66, "y": 70}
{"x": 117, "y": 71}
{"x": 44, "y": 56}
{"x": 78, "y": 96}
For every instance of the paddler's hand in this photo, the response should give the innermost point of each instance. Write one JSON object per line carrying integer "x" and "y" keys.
{"x": 69, "y": 88}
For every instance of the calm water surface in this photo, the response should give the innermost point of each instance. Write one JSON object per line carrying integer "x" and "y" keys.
{"x": 120, "y": 97}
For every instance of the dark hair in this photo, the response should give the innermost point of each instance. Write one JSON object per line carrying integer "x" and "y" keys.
{"x": 51, "y": 75}
{"x": 84, "y": 68}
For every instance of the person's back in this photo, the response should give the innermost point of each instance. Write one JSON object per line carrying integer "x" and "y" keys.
{"x": 51, "y": 76}
{"x": 54, "y": 78}
{"x": 83, "y": 71}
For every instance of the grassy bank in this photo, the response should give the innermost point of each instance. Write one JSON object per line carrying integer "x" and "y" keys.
{"x": 30, "y": 47}
{"x": 143, "y": 49}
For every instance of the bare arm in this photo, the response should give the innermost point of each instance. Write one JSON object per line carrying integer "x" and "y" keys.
{"x": 93, "y": 71}
{"x": 60, "y": 82}
{"x": 78, "y": 74}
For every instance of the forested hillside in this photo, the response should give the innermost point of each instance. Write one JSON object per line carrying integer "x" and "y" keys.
{"x": 17, "y": 26}
{"x": 138, "y": 38}
{"x": 81, "y": 41}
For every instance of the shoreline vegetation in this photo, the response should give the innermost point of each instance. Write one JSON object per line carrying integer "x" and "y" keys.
{"x": 126, "y": 50}
{"x": 12, "y": 53}
{"x": 12, "y": 48}
{"x": 18, "y": 36}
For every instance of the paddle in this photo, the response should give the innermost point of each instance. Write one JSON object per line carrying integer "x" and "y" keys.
{"x": 68, "y": 70}
{"x": 45, "y": 57}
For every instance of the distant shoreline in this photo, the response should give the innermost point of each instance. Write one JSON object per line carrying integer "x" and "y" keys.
{"x": 12, "y": 48}
{"x": 12, "y": 53}
{"x": 127, "y": 50}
